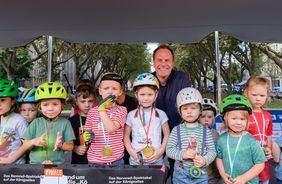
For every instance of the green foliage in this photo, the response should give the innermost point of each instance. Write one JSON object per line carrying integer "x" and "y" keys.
{"x": 15, "y": 59}
{"x": 124, "y": 59}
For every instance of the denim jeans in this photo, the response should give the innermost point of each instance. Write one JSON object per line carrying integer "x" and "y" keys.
{"x": 278, "y": 181}
{"x": 133, "y": 162}
{"x": 264, "y": 182}
{"x": 182, "y": 176}
{"x": 115, "y": 163}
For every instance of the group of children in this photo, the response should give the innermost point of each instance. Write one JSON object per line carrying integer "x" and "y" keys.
{"x": 98, "y": 134}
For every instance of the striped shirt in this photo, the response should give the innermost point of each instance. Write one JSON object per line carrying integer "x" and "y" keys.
{"x": 94, "y": 153}
{"x": 188, "y": 134}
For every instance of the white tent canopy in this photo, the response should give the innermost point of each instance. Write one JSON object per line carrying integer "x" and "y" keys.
{"x": 131, "y": 21}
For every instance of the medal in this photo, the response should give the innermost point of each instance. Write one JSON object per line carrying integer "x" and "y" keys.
{"x": 195, "y": 172}
{"x": 148, "y": 151}
{"x": 47, "y": 162}
{"x": 107, "y": 151}
{"x": 230, "y": 179}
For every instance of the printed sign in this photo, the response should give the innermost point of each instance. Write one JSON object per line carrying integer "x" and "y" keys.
{"x": 81, "y": 174}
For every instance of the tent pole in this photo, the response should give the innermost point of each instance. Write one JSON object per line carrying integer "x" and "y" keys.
{"x": 218, "y": 78}
{"x": 50, "y": 50}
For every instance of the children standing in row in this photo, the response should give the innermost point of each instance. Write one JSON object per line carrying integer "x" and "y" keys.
{"x": 239, "y": 156}
{"x": 84, "y": 98}
{"x": 28, "y": 104}
{"x": 190, "y": 143}
{"x": 146, "y": 123}
{"x": 50, "y": 135}
{"x": 257, "y": 91}
{"x": 107, "y": 123}
{"x": 12, "y": 125}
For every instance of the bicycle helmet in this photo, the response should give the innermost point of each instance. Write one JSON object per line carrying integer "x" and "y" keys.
{"x": 28, "y": 95}
{"x": 209, "y": 104}
{"x": 111, "y": 76}
{"x": 235, "y": 102}
{"x": 146, "y": 79}
{"x": 8, "y": 88}
{"x": 188, "y": 95}
{"x": 50, "y": 90}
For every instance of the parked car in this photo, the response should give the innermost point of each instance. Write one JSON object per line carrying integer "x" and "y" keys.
{"x": 277, "y": 89}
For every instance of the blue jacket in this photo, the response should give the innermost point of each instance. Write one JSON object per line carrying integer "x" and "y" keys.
{"x": 166, "y": 99}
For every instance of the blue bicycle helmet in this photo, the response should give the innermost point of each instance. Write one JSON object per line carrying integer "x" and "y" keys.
{"x": 28, "y": 95}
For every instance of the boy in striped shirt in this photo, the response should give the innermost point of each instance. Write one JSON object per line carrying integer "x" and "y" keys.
{"x": 107, "y": 123}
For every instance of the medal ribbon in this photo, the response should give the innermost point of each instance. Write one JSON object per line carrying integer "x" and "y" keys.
{"x": 231, "y": 162}
{"x": 48, "y": 135}
{"x": 143, "y": 123}
{"x": 81, "y": 127}
{"x": 261, "y": 134}
{"x": 103, "y": 129}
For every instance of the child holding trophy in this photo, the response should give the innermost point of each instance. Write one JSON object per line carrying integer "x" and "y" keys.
{"x": 106, "y": 121}
{"x": 190, "y": 143}
{"x": 146, "y": 124}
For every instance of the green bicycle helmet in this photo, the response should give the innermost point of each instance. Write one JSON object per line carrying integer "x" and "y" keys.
{"x": 50, "y": 90}
{"x": 8, "y": 88}
{"x": 235, "y": 102}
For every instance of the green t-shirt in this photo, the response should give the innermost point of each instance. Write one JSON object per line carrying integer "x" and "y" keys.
{"x": 248, "y": 154}
{"x": 38, "y": 127}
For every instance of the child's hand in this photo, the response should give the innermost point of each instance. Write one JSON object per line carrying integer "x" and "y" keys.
{"x": 106, "y": 102}
{"x": 59, "y": 142}
{"x": 268, "y": 153}
{"x": 39, "y": 141}
{"x": 80, "y": 150}
{"x": 226, "y": 179}
{"x": 239, "y": 180}
{"x": 189, "y": 154}
{"x": 88, "y": 136}
{"x": 134, "y": 155}
{"x": 4, "y": 160}
{"x": 199, "y": 161}
{"x": 155, "y": 157}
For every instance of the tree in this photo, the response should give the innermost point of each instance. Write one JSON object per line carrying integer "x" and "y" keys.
{"x": 15, "y": 63}
{"x": 127, "y": 60}
{"x": 270, "y": 53}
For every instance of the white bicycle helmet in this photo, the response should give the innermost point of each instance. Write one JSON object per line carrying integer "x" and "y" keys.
{"x": 145, "y": 79}
{"x": 188, "y": 95}
{"x": 209, "y": 104}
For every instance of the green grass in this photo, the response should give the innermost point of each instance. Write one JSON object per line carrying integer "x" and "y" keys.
{"x": 274, "y": 105}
